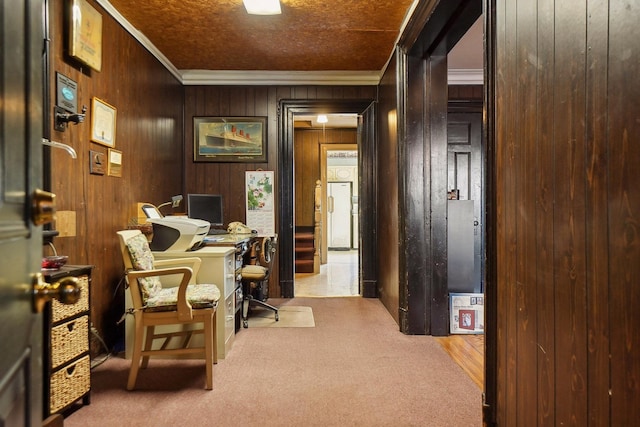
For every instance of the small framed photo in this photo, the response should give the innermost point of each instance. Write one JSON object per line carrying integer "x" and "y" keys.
{"x": 103, "y": 123}
{"x": 114, "y": 165}
{"x": 230, "y": 139}
{"x": 85, "y": 33}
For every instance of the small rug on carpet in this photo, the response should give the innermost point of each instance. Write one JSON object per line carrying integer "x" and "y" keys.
{"x": 291, "y": 316}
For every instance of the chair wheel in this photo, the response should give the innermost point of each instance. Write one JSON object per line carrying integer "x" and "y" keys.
{"x": 245, "y": 323}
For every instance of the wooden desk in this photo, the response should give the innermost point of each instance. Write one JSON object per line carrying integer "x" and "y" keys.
{"x": 240, "y": 243}
{"x": 218, "y": 267}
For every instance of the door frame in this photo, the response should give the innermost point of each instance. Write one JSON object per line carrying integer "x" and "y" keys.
{"x": 323, "y": 183}
{"x": 287, "y": 111}
{"x": 432, "y": 27}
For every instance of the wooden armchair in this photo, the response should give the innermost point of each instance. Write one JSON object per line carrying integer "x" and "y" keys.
{"x": 154, "y": 305}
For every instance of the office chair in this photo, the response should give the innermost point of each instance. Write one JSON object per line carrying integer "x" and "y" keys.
{"x": 154, "y": 305}
{"x": 255, "y": 277}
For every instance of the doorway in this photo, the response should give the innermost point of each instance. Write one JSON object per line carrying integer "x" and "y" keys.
{"x": 367, "y": 248}
{"x": 326, "y": 161}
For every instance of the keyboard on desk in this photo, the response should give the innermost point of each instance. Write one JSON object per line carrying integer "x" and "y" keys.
{"x": 217, "y": 231}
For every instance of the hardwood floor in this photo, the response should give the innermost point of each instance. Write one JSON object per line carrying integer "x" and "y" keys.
{"x": 339, "y": 277}
{"x": 468, "y": 352}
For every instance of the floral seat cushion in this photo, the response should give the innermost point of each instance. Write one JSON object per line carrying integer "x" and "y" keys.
{"x": 199, "y": 296}
{"x": 154, "y": 296}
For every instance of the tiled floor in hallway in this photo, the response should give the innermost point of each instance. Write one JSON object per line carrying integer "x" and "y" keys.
{"x": 338, "y": 277}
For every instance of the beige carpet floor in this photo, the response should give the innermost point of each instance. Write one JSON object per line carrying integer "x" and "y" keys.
{"x": 294, "y": 316}
{"x": 354, "y": 368}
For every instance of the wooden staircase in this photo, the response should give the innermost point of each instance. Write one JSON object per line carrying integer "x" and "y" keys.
{"x": 304, "y": 249}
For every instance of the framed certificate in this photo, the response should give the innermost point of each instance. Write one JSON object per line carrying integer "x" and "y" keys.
{"x": 85, "y": 35}
{"x": 103, "y": 122}
{"x": 114, "y": 166}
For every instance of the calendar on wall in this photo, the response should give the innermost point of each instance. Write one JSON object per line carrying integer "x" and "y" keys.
{"x": 260, "y": 201}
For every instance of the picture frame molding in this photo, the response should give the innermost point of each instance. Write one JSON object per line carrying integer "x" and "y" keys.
{"x": 225, "y": 139}
{"x": 103, "y": 122}
{"x": 85, "y": 33}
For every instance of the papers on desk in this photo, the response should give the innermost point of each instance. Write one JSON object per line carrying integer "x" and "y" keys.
{"x": 210, "y": 239}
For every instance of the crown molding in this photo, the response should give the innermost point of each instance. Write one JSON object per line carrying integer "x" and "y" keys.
{"x": 254, "y": 77}
{"x": 465, "y": 77}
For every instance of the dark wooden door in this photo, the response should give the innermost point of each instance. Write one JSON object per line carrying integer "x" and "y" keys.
{"x": 465, "y": 186}
{"x": 20, "y": 242}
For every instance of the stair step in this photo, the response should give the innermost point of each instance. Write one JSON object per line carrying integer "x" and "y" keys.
{"x": 305, "y": 250}
{"x": 304, "y": 266}
{"x": 304, "y": 235}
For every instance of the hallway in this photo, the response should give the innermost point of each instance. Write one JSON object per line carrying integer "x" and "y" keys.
{"x": 337, "y": 278}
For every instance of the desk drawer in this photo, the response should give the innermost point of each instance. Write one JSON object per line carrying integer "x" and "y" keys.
{"x": 229, "y": 276}
{"x": 229, "y": 316}
{"x": 69, "y": 340}
{"x": 70, "y": 384}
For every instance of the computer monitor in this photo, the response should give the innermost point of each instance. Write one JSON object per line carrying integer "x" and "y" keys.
{"x": 207, "y": 207}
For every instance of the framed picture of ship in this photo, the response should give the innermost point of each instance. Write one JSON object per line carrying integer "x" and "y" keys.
{"x": 230, "y": 139}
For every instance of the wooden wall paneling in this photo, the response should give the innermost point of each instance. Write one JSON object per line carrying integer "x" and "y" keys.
{"x": 569, "y": 216}
{"x": 307, "y": 166}
{"x": 368, "y": 183}
{"x": 624, "y": 210}
{"x": 386, "y": 168}
{"x": 544, "y": 224}
{"x": 307, "y": 171}
{"x": 465, "y": 92}
{"x": 228, "y": 178}
{"x": 414, "y": 225}
{"x": 437, "y": 297}
{"x": 148, "y": 132}
{"x": 525, "y": 188}
{"x": 505, "y": 213}
{"x": 597, "y": 256}
{"x": 489, "y": 410}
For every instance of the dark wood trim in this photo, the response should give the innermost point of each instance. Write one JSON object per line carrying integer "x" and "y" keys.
{"x": 459, "y": 106}
{"x": 287, "y": 110}
{"x": 415, "y": 226}
{"x": 438, "y": 294}
{"x": 423, "y": 301}
{"x": 367, "y": 217}
{"x": 490, "y": 288}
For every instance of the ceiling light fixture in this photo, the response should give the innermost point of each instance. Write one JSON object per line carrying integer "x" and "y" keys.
{"x": 262, "y": 7}
{"x": 322, "y": 118}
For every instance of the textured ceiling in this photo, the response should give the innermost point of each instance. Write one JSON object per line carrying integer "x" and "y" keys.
{"x": 309, "y": 35}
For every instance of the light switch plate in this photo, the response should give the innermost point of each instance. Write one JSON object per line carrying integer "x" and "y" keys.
{"x": 96, "y": 162}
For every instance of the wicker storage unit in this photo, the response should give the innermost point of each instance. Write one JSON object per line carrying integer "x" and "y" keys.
{"x": 67, "y": 376}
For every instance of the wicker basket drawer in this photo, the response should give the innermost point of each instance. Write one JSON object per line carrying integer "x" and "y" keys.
{"x": 61, "y": 311}
{"x": 68, "y": 340}
{"x": 70, "y": 384}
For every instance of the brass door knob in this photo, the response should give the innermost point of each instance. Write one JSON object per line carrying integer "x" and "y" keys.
{"x": 67, "y": 291}
{"x": 44, "y": 207}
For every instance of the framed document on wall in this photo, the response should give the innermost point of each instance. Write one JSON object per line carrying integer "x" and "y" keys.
{"x": 103, "y": 122}
{"x": 85, "y": 34}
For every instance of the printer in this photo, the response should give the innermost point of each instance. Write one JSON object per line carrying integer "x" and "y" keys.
{"x": 177, "y": 233}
